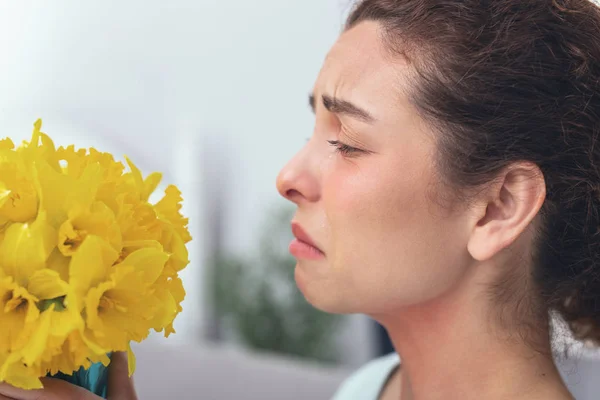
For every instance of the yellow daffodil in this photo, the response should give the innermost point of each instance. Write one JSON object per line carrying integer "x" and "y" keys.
{"x": 38, "y": 318}
{"x": 137, "y": 220}
{"x": 60, "y": 317}
{"x": 18, "y": 313}
{"x": 99, "y": 220}
{"x": 119, "y": 302}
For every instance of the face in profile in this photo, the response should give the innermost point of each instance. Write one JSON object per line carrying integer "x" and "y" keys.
{"x": 365, "y": 189}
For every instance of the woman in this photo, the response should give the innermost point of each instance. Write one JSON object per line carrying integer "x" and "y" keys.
{"x": 451, "y": 190}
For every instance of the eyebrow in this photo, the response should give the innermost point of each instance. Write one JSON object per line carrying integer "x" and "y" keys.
{"x": 342, "y": 107}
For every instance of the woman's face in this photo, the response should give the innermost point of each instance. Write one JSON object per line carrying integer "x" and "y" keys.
{"x": 365, "y": 187}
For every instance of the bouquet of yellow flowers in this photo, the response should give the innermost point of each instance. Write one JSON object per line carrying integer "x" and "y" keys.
{"x": 87, "y": 263}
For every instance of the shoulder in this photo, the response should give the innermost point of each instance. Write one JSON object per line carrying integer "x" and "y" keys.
{"x": 367, "y": 382}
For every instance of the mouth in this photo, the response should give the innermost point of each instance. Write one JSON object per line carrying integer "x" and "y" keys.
{"x": 303, "y": 247}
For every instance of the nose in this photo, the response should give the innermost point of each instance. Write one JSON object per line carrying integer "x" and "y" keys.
{"x": 298, "y": 180}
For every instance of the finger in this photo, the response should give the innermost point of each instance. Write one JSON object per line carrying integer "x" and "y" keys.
{"x": 120, "y": 384}
{"x": 54, "y": 389}
{"x": 10, "y": 392}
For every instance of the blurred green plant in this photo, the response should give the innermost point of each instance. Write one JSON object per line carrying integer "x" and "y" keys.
{"x": 259, "y": 299}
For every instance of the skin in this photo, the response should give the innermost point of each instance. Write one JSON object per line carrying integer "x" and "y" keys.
{"x": 120, "y": 386}
{"x": 391, "y": 251}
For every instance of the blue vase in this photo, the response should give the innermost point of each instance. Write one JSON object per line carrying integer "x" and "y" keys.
{"x": 94, "y": 379}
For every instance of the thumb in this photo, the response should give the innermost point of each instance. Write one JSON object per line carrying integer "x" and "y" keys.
{"x": 120, "y": 385}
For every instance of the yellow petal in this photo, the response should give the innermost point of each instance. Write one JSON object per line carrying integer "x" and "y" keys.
{"x": 132, "y": 245}
{"x": 178, "y": 293}
{"x": 34, "y": 151}
{"x": 59, "y": 192}
{"x": 99, "y": 221}
{"x": 62, "y": 324}
{"x": 168, "y": 209}
{"x": 18, "y": 197}
{"x": 90, "y": 345}
{"x": 150, "y": 184}
{"x": 69, "y": 238}
{"x": 37, "y": 342}
{"x": 130, "y": 360}
{"x": 109, "y": 326}
{"x": 92, "y": 305}
{"x": 120, "y": 309}
{"x": 167, "y": 311}
{"x": 149, "y": 261}
{"x": 179, "y": 253}
{"x": 91, "y": 264}
{"x": 18, "y": 314}
{"x": 46, "y": 284}
{"x": 138, "y": 244}
{"x": 52, "y": 187}
{"x": 26, "y": 248}
{"x": 59, "y": 263}
{"x": 6, "y": 144}
{"x": 32, "y": 311}
{"x": 5, "y": 193}
{"x": 136, "y": 174}
{"x": 62, "y": 361}
{"x": 177, "y": 289}
{"x": 17, "y": 374}
{"x": 73, "y": 160}
{"x": 68, "y": 320}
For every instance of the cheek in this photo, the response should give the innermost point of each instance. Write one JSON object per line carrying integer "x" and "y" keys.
{"x": 369, "y": 207}
{"x": 388, "y": 239}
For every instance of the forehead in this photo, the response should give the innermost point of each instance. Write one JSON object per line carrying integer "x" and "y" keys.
{"x": 359, "y": 68}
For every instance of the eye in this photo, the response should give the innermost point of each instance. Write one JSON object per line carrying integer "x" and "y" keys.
{"x": 344, "y": 148}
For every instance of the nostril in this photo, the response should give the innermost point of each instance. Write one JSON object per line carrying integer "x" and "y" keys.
{"x": 292, "y": 194}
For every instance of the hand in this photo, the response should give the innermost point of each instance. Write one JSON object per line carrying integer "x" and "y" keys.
{"x": 120, "y": 386}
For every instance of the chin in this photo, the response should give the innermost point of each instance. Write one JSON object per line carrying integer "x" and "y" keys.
{"x": 321, "y": 297}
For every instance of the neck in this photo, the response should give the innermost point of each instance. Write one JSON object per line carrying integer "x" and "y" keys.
{"x": 450, "y": 349}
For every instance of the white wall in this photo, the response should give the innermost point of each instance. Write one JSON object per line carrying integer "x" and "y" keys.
{"x": 161, "y": 81}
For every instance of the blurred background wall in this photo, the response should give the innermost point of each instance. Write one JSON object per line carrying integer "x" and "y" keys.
{"x": 213, "y": 94}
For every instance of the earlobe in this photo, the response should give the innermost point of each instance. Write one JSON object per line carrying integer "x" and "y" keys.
{"x": 506, "y": 210}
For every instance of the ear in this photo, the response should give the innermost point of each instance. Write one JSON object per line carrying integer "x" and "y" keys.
{"x": 507, "y": 208}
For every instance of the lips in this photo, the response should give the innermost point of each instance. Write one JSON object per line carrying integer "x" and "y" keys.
{"x": 302, "y": 236}
{"x": 303, "y": 246}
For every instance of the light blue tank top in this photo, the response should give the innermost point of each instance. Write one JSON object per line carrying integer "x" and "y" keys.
{"x": 368, "y": 382}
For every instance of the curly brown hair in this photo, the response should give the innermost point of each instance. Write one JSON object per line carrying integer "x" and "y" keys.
{"x": 506, "y": 81}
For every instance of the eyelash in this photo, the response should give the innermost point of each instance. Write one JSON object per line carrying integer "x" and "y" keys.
{"x": 344, "y": 148}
